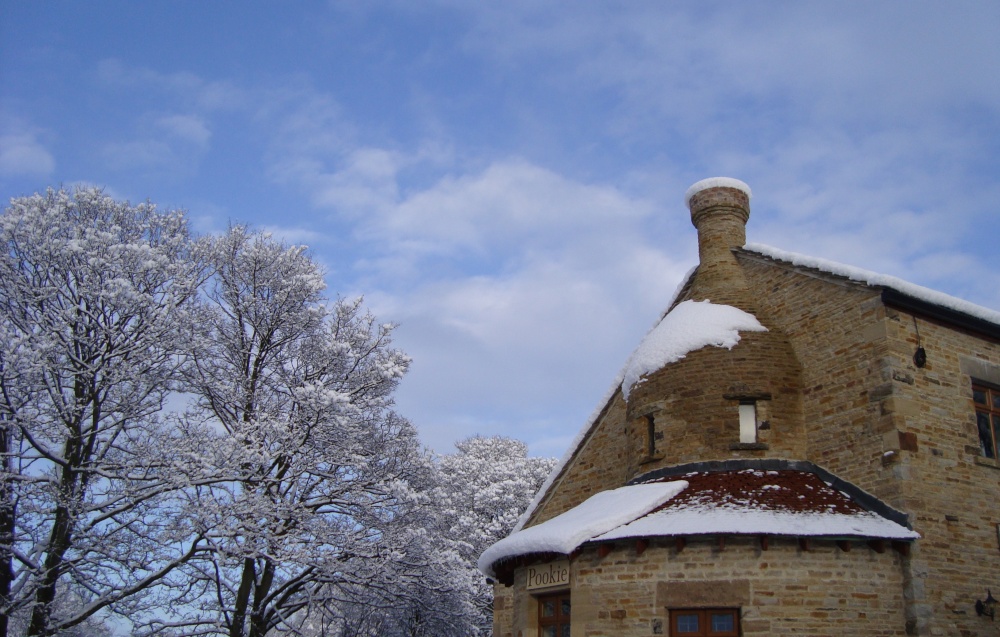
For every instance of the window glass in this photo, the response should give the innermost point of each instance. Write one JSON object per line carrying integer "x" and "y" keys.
{"x": 554, "y": 615}
{"x": 985, "y": 436}
{"x": 687, "y": 623}
{"x": 996, "y": 427}
{"x": 711, "y": 622}
{"x": 748, "y": 422}
{"x": 722, "y": 622}
{"x": 650, "y": 436}
{"x": 987, "y": 401}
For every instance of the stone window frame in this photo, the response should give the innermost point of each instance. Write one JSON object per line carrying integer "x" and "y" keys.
{"x": 644, "y": 425}
{"x": 750, "y": 411}
{"x": 705, "y": 627}
{"x": 650, "y": 435}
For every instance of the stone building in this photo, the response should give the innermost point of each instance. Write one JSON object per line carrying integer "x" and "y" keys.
{"x": 798, "y": 448}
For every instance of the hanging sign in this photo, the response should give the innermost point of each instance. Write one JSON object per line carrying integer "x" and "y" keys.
{"x": 548, "y": 575}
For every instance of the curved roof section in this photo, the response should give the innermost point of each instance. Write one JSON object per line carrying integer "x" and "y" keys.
{"x": 689, "y": 326}
{"x": 771, "y": 498}
{"x": 598, "y": 514}
{"x": 755, "y": 501}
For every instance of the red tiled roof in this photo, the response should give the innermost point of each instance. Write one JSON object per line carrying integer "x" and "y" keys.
{"x": 785, "y": 490}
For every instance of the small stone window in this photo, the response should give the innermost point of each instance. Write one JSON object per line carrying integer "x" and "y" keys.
{"x": 648, "y": 439}
{"x": 987, "y": 402}
{"x": 650, "y": 436}
{"x": 705, "y": 622}
{"x": 754, "y": 411}
{"x": 748, "y": 421}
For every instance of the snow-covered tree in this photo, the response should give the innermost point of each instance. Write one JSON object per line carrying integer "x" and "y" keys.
{"x": 293, "y": 418}
{"x": 289, "y": 498}
{"x": 92, "y": 296}
{"x": 485, "y": 487}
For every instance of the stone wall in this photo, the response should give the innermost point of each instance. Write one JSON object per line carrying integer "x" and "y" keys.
{"x": 903, "y": 433}
{"x": 780, "y": 591}
{"x": 695, "y": 403}
{"x": 837, "y": 330}
{"x": 867, "y": 413}
{"x": 950, "y": 490}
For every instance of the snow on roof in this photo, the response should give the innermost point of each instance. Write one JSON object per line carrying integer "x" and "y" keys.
{"x": 690, "y": 326}
{"x": 715, "y": 182}
{"x": 793, "y": 503}
{"x": 882, "y": 280}
{"x": 598, "y": 514}
{"x": 832, "y": 267}
{"x": 582, "y": 433}
{"x": 754, "y": 502}
{"x": 745, "y": 521}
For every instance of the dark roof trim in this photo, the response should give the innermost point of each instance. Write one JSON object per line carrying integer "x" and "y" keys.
{"x": 861, "y": 497}
{"x": 898, "y": 300}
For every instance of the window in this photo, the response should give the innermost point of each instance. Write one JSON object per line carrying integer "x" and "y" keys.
{"x": 553, "y": 615}
{"x": 748, "y": 422}
{"x": 710, "y": 622}
{"x": 650, "y": 435}
{"x": 987, "y": 400}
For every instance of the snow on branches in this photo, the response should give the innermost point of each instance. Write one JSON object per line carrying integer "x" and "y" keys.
{"x": 195, "y": 440}
{"x": 92, "y": 301}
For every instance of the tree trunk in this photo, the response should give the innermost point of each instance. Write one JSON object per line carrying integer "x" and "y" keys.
{"x": 258, "y": 619}
{"x": 247, "y": 582}
{"x": 8, "y": 513}
{"x": 60, "y": 540}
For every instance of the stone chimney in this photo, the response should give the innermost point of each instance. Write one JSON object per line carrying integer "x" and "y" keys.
{"x": 713, "y": 403}
{"x": 720, "y": 207}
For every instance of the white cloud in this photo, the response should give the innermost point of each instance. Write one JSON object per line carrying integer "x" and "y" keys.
{"x": 511, "y": 201}
{"x": 523, "y": 273}
{"x": 183, "y": 87}
{"x": 188, "y": 128}
{"x": 22, "y": 154}
{"x": 140, "y": 153}
{"x": 569, "y": 279}
{"x": 699, "y": 59}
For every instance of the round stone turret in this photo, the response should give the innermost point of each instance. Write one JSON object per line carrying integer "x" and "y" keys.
{"x": 727, "y": 399}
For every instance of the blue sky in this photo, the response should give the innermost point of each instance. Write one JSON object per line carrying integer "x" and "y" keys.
{"x": 505, "y": 180}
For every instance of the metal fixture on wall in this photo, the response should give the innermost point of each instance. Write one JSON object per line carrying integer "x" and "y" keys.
{"x": 920, "y": 356}
{"x": 987, "y": 606}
